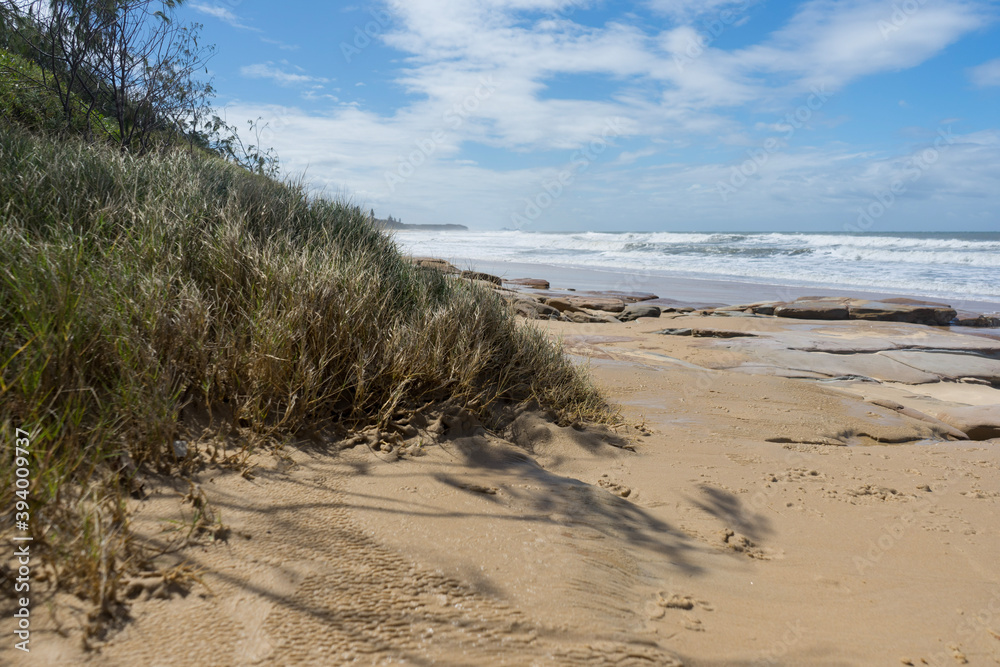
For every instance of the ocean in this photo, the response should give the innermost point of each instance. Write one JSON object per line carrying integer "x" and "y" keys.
{"x": 955, "y": 267}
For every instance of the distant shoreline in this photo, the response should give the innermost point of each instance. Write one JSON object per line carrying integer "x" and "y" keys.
{"x": 702, "y": 291}
{"x": 947, "y": 268}
{"x": 393, "y": 225}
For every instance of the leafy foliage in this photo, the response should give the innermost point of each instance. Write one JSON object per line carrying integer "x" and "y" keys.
{"x": 123, "y": 71}
{"x": 28, "y": 102}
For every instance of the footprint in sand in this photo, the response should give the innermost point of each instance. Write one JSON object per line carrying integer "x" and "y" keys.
{"x": 742, "y": 544}
{"x": 669, "y": 602}
{"x": 876, "y": 492}
{"x": 797, "y": 475}
{"x": 616, "y": 488}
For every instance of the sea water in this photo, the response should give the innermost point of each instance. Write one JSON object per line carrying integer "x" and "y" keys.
{"x": 945, "y": 266}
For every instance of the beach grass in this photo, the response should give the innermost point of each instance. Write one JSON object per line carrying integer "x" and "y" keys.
{"x": 140, "y": 294}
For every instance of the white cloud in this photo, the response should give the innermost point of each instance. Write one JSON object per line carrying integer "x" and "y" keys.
{"x": 316, "y": 94}
{"x": 825, "y": 44}
{"x": 268, "y": 70}
{"x": 833, "y": 43}
{"x": 628, "y": 157}
{"x": 987, "y": 74}
{"x": 224, "y": 15}
{"x": 357, "y": 152}
{"x": 281, "y": 45}
{"x": 480, "y": 74}
{"x": 707, "y": 9}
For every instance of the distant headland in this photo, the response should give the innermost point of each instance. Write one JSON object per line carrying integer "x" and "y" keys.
{"x": 392, "y": 223}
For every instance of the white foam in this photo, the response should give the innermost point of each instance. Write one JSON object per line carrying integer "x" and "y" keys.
{"x": 957, "y": 266}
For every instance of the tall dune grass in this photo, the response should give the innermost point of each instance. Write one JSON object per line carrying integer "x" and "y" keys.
{"x": 133, "y": 289}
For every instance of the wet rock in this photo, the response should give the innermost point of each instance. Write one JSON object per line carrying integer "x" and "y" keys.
{"x": 841, "y": 308}
{"x": 944, "y": 428}
{"x": 676, "y": 332}
{"x": 906, "y": 301}
{"x": 818, "y": 309}
{"x": 529, "y": 297}
{"x": 562, "y": 305}
{"x": 632, "y": 297}
{"x": 605, "y": 301}
{"x": 888, "y": 311}
{"x": 717, "y": 333}
{"x": 534, "y": 310}
{"x": 607, "y": 304}
{"x": 705, "y": 333}
{"x": 951, "y": 365}
{"x": 526, "y": 309}
{"x": 842, "y": 364}
{"x": 534, "y": 283}
{"x": 637, "y": 310}
{"x": 979, "y": 422}
{"x": 986, "y": 320}
{"x": 763, "y": 309}
{"x": 749, "y": 309}
{"x": 581, "y": 317}
{"x": 547, "y": 310}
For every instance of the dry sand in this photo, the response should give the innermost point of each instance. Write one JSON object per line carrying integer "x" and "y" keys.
{"x": 762, "y": 512}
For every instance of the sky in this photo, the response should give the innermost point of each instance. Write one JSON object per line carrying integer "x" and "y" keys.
{"x": 674, "y": 115}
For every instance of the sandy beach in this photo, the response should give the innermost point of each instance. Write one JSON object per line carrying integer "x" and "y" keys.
{"x": 776, "y": 492}
{"x": 534, "y": 333}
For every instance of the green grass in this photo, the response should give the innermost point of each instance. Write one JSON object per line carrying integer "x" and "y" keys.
{"x": 136, "y": 292}
{"x": 26, "y": 100}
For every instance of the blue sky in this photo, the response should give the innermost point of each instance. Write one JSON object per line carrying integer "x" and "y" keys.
{"x": 681, "y": 115}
